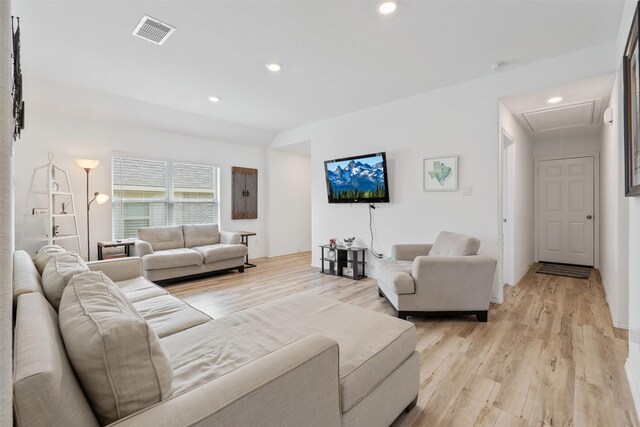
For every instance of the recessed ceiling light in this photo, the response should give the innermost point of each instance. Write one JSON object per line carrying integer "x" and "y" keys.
{"x": 214, "y": 99}
{"x": 387, "y": 7}
{"x": 554, "y": 100}
{"x": 274, "y": 66}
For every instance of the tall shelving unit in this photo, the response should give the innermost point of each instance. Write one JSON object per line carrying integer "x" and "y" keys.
{"x": 61, "y": 227}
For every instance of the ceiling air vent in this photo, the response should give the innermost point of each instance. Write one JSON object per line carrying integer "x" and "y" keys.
{"x": 153, "y": 30}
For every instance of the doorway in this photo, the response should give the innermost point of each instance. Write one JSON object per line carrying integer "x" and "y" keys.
{"x": 566, "y": 210}
{"x": 508, "y": 209}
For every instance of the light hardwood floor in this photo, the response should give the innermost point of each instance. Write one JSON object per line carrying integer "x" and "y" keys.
{"x": 549, "y": 354}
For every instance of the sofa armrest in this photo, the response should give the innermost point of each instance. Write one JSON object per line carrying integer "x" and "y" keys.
{"x": 409, "y": 252}
{"x": 230, "y": 237}
{"x": 118, "y": 269}
{"x": 296, "y": 385}
{"x": 141, "y": 248}
{"x": 454, "y": 283}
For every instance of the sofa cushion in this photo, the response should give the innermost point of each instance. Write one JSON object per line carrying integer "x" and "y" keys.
{"x": 372, "y": 345}
{"x": 396, "y": 276}
{"x": 200, "y": 234}
{"x": 171, "y": 258}
{"x": 115, "y": 353}
{"x": 26, "y": 278}
{"x": 454, "y": 244}
{"x": 45, "y": 388}
{"x": 162, "y": 238}
{"x": 57, "y": 274}
{"x": 44, "y": 255}
{"x": 139, "y": 288}
{"x": 221, "y": 251}
{"x": 167, "y": 314}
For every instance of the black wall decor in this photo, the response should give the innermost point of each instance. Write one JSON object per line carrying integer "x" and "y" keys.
{"x": 16, "y": 91}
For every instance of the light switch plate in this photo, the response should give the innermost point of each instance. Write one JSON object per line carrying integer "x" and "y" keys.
{"x": 467, "y": 191}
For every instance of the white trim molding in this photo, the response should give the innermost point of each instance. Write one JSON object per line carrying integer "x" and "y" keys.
{"x": 635, "y": 393}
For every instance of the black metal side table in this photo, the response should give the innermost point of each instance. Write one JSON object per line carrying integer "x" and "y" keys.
{"x": 344, "y": 261}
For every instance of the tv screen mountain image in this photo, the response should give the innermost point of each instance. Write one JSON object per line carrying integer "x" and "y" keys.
{"x": 357, "y": 179}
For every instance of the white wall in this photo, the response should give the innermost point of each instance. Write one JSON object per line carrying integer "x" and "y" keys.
{"x": 522, "y": 192}
{"x": 633, "y": 363}
{"x": 6, "y": 214}
{"x": 289, "y": 202}
{"x": 70, "y": 137}
{"x": 614, "y": 214}
{"x": 460, "y": 119}
{"x": 633, "y": 207}
{"x": 567, "y": 145}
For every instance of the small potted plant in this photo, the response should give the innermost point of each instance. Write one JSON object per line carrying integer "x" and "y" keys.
{"x": 348, "y": 241}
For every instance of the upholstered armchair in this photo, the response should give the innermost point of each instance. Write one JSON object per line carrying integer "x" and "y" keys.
{"x": 446, "y": 277}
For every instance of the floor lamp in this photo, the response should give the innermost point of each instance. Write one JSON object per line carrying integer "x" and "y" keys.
{"x": 99, "y": 198}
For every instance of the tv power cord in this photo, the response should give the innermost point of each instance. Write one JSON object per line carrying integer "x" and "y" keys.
{"x": 373, "y": 251}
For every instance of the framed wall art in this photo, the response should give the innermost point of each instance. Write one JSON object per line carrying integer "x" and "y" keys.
{"x": 441, "y": 174}
{"x": 631, "y": 73}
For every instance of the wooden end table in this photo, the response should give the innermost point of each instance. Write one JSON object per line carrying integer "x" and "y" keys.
{"x": 126, "y": 244}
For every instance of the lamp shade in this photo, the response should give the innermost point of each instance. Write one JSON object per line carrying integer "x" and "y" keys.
{"x": 87, "y": 163}
{"x": 101, "y": 198}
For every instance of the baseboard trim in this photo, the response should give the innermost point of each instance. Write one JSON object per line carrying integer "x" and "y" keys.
{"x": 614, "y": 321}
{"x": 619, "y": 325}
{"x": 497, "y": 300}
{"x": 634, "y": 389}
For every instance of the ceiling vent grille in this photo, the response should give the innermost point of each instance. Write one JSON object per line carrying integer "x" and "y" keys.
{"x": 153, "y": 30}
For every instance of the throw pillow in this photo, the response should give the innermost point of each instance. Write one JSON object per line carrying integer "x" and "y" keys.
{"x": 57, "y": 273}
{"x": 44, "y": 255}
{"x": 116, "y": 355}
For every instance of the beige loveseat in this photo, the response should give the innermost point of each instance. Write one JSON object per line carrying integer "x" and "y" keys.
{"x": 298, "y": 361}
{"x": 446, "y": 277}
{"x": 187, "y": 250}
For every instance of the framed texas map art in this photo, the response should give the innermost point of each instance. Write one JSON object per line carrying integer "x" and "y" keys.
{"x": 441, "y": 174}
{"x": 631, "y": 70}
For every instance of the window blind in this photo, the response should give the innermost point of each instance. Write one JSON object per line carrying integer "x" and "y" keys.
{"x": 149, "y": 193}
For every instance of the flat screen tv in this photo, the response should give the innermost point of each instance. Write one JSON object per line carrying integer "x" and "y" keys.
{"x": 357, "y": 179}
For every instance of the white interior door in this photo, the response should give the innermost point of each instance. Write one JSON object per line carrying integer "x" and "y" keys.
{"x": 566, "y": 211}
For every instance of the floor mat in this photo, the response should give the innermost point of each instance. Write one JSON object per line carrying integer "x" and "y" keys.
{"x": 576, "y": 271}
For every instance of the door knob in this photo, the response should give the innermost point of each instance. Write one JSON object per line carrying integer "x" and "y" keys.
{"x": 589, "y": 216}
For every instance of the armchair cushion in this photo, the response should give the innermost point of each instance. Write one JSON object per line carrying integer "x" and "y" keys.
{"x": 454, "y": 244}
{"x": 200, "y": 235}
{"x": 162, "y": 238}
{"x": 397, "y": 276}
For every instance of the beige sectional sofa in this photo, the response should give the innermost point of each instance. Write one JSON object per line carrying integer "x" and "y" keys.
{"x": 187, "y": 250}
{"x": 301, "y": 360}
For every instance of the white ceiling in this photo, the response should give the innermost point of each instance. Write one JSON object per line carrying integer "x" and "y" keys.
{"x": 338, "y": 56}
{"x": 580, "y": 112}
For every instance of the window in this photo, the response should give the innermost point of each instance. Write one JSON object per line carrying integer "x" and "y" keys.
{"x": 148, "y": 193}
